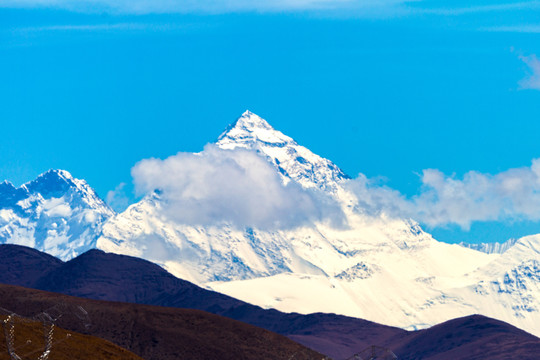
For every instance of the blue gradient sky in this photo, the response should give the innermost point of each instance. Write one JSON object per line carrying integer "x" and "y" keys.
{"x": 380, "y": 90}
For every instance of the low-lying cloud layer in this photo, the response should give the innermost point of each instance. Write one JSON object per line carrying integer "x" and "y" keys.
{"x": 242, "y": 188}
{"x": 234, "y": 186}
{"x": 509, "y": 195}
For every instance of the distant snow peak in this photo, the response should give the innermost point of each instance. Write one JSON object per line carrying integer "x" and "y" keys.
{"x": 59, "y": 173}
{"x": 53, "y": 175}
{"x": 55, "y": 213}
{"x": 51, "y": 183}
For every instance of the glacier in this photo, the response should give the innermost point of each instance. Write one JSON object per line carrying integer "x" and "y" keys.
{"x": 378, "y": 267}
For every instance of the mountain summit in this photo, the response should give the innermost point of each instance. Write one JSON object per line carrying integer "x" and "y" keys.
{"x": 55, "y": 213}
{"x": 249, "y": 129}
{"x": 378, "y": 268}
{"x": 292, "y": 160}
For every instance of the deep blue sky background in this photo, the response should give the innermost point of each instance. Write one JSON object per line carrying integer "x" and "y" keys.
{"x": 383, "y": 95}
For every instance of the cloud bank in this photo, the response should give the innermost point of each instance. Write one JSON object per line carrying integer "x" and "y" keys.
{"x": 241, "y": 188}
{"x": 510, "y": 195}
{"x": 234, "y": 186}
{"x": 532, "y": 81}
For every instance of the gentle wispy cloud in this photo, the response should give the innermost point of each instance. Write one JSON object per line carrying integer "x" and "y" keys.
{"x": 348, "y": 8}
{"x": 93, "y": 27}
{"x": 507, "y": 196}
{"x": 204, "y": 6}
{"x": 483, "y": 8}
{"x": 233, "y": 186}
{"x": 514, "y": 28}
{"x": 104, "y": 27}
{"x": 532, "y": 81}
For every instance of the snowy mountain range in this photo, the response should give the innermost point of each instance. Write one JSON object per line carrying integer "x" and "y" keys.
{"x": 375, "y": 267}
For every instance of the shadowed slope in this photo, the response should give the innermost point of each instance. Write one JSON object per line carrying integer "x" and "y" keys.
{"x": 105, "y": 276}
{"x": 161, "y": 333}
{"x": 21, "y": 265}
{"x": 67, "y": 345}
{"x": 473, "y": 337}
{"x": 100, "y": 275}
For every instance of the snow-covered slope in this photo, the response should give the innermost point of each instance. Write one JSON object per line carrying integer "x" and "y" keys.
{"x": 378, "y": 268}
{"x": 55, "y": 213}
{"x": 225, "y": 253}
{"x": 491, "y": 248}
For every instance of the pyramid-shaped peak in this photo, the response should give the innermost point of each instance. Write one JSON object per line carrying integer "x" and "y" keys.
{"x": 251, "y": 128}
{"x": 51, "y": 181}
{"x": 56, "y": 173}
{"x": 251, "y": 121}
{"x": 53, "y": 176}
{"x": 57, "y": 183}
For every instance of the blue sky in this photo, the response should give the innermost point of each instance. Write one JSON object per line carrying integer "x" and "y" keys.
{"x": 386, "y": 88}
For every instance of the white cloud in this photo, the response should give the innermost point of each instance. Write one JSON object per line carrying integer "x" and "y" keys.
{"x": 117, "y": 198}
{"x": 532, "y": 81}
{"x": 375, "y": 198}
{"x": 358, "y": 8}
{"x": 240, "y": 187}
{"x": 57, "y": 207}
{"x": 528, "y": 28}
{"x": 94, "y": 27}
{"x": 483, "y": 8}
{"x": 205, "y": 6}
{"x": 510, "y": 195}
{"x": 106, "y": 27}
{"x": 235, "y": 186}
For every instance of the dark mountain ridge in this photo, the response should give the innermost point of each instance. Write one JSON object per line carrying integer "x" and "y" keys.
{"x": 156, "y": 332}
{"x": 104, "y": 276}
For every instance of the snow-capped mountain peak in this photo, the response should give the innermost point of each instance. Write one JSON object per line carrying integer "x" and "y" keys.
{"x": 56, "y": 183}
{"x": 250, "y": 129}
{"x": 249, "y": 120}
{"x": 52, "y": 182}
{"x": 55, "y": 212}
{"x": 294, "y": 162}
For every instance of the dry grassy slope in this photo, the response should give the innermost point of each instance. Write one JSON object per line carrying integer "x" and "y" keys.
{"x": 67, "y": 345}
{"x": 161, "y": 333}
